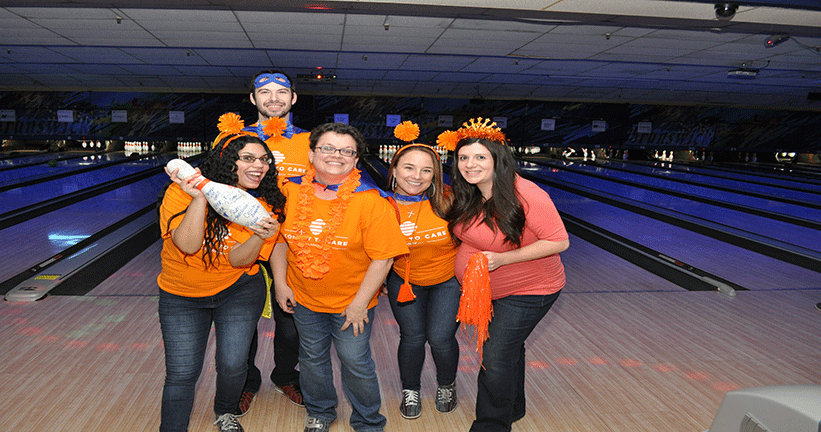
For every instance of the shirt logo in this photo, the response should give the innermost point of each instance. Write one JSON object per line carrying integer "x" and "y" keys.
{"x": 317, "y": 226}
{"x": 407, "y": 228}
{"x": 278, "y": 157}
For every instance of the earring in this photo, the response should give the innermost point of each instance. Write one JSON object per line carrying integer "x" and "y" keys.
{"x": 433, "y": 189}
{"x": 393, "y": 183}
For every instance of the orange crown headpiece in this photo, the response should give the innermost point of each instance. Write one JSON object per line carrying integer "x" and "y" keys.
{"x": 477, "y": 128}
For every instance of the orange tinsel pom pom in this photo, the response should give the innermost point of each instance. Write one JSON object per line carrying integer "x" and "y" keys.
{"x": 448, "y": 140}
{"x": 230, "y": 123}
{"x": 475, "y": 306}
{"x": 406, "y": 131}
{"x": 274, "y": 127}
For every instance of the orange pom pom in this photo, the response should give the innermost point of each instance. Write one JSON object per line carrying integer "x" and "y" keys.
{"x": 406, "y": 131}
{"x": 230, "y": 123}
{"x": 274, "y": 127}
{"x": 475, "y": 306}
{"x": 448, "y": 140}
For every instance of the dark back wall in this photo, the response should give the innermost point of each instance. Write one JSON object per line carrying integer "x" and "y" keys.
{"x": 680, "y": 127}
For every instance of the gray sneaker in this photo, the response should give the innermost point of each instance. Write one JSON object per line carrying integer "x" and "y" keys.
{"x": 313, "y": 424}
{"x": 446, "y": 398}
{"x": 228, "y": 422}
{"x": 410, "y": 408}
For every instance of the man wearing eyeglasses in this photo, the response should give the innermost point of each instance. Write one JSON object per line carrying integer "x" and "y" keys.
{"x": 273, "y": 93}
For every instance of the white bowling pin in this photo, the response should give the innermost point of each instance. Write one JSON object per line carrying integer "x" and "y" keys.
{"x": 231, "y": 202}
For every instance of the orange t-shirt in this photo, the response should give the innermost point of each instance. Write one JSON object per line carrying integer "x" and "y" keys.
{"x": 290, "y": 155}
{"x": 186, "y": 275}
{"x": 368, "y": 232}
{"x": 431, "y": 250}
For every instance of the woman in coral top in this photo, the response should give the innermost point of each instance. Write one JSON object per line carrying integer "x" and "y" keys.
{"x": 512, "y": 225}
{"x": 422, "y": 289}
{"x": 334, "y": 250}
{"x": 210, "y": 276}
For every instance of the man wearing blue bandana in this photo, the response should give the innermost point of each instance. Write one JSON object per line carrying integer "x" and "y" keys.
{"x": 273, "y": 93}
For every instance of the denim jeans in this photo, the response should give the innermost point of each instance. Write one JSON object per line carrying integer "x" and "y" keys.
{"x": 186, "y": 324}
{"x": 500, "y": 398}
{"x": 431, "y": 318}
{"x": 316, "y": 332}
{"x": 286, "y": 348}
{"x": 286, "y": 353}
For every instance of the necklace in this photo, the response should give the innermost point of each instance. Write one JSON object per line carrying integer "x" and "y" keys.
{"x": 313, "y": 258}
{"x": 406, "y": 290}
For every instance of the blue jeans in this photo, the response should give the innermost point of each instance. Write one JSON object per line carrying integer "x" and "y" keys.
{"x": 186, "y": 324}
{"x": 316, "y": 332}
{"x": 500, "y": 398}
{"x": 431, "y": 318}
{"x": 286, "y": 349}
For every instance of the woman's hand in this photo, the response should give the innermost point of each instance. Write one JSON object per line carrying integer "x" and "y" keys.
{"x": 494, "y": 260}
{"x": 536, "y": 250}
{"x": 188, "y": 184}
{"x": 285, "y": 297}
{"x": 356, "y": 316}
{"x": 265, "y": 228}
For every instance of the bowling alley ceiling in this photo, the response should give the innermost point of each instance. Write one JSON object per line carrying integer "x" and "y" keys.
{"x": 642, "y": 51}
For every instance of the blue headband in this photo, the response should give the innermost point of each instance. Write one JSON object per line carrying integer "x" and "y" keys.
{"x": 267, "y": 78}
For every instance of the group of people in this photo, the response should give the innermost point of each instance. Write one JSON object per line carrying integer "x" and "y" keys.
{"x": 332, "y": 244}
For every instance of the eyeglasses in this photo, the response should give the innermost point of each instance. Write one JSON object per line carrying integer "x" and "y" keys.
{"x": 329, "y": 150}
{"x": 251, "y": 159}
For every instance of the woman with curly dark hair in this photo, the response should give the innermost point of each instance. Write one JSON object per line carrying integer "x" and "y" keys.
{"x": 509, "y": 235}
{"x": 210, "y": 275}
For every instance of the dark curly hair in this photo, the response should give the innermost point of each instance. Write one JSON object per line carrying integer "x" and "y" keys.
{"x": 220, "y": 165}
{"x": 503, "y": 211}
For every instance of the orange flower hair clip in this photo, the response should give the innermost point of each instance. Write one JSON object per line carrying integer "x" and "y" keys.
{"x": 477, "y": 128}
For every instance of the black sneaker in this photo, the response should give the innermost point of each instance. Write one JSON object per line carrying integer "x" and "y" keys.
{"x": 446, "y": 398}
{"x": 818, "y": 306}
{"x": 228, "y": 423}
{"x": 410, "y": 408}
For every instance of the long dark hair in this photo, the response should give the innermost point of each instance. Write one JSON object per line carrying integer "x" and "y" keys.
{"x": 220, "y": 165}
{"x": 503, "y": 211}
{"x": 438, "y": 194}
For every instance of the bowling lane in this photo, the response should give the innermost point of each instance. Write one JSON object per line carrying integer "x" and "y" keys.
{"x": 783, "y": 177}
{"x": 35, "y": 240}
{"x": 756, "y": 225}
{"x": 741, "y": 266}
{"x": 747, "y": 184}
{"x": 63, "y": 166}
{"x": 17, "y": 198}
{"x": 10, "y": 160}
{"x": 810, "y": 210}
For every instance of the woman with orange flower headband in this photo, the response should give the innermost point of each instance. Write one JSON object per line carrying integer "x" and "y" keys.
{"x": 509, "y": 235}
{"x": 334, "y": 250}
{"x": 422, "y": 289}
{"x": 210, "y": 276}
